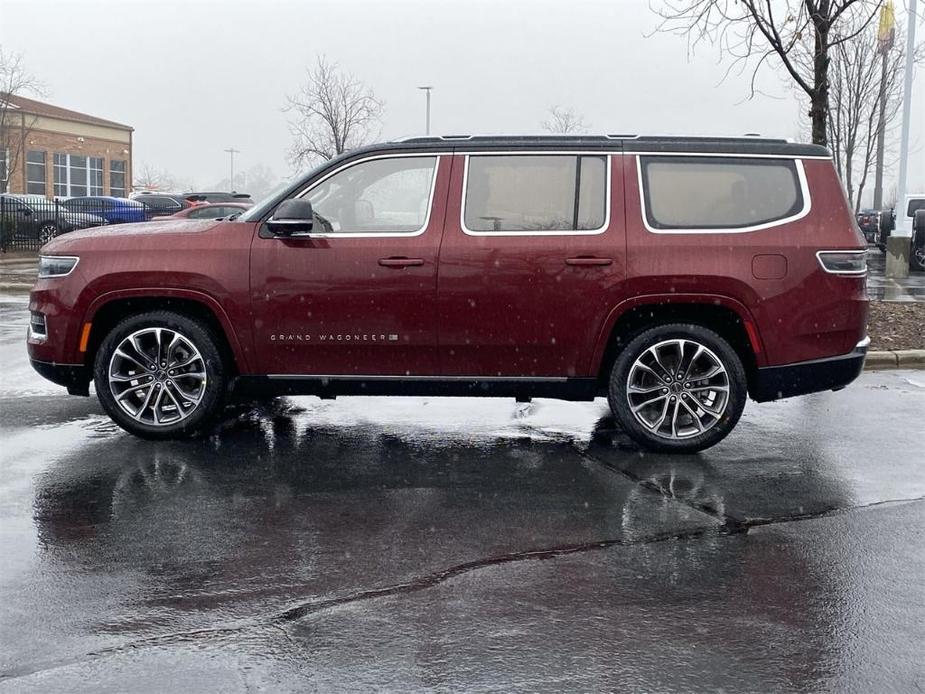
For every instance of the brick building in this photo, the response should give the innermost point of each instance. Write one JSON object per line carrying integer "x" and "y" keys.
{"x": 52, "y": 151}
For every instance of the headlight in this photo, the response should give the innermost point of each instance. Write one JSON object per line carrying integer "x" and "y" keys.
{"x": 56, "y": 265}
{"x": 843, "y": 262}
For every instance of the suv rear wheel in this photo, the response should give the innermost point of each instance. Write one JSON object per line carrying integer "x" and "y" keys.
{"x": 677, "y": 388}
{"x": 160, "y": 375}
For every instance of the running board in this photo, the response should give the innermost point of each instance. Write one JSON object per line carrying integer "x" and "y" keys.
{"x": 458, "y": 386}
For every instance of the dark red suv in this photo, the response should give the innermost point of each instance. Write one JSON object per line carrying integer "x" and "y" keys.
{"x": 675, "y": 276}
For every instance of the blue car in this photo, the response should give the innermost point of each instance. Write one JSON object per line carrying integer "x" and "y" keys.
{"x": 113, "y": 210}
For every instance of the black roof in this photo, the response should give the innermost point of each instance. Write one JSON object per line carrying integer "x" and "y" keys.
{"x": 623, "y": 143}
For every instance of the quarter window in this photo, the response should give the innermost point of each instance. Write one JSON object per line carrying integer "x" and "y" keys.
{"x": 35, "y": 173}
{"x": 535, "y": 193}
{"x": 376, "y": 196}
{"x": 719, "y": 193}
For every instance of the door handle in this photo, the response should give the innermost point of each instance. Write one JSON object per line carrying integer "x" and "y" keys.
{"x": 400, "y": 262}
{"x": 587, "y": 260}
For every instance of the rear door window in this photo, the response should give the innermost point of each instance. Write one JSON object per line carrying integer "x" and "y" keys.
{"x": 691, "y": 193}
{"x": 535, "y": 194}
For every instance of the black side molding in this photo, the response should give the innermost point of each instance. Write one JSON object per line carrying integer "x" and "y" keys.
{"x": 834, "y": 373}
{"x": 74, "y": 377}
{"x": 332, "y": 386}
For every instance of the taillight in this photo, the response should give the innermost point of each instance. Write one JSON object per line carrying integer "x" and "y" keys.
{"x": 843, "y": 262}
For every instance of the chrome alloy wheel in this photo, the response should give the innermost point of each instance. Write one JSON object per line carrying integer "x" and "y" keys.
{"x": 677, "y": 389}
{"x": 157, "y": 376}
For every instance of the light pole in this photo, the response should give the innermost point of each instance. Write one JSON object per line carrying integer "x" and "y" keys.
{"x": 899, "y": 244}
{"x": 232, "y": 151}
{"x": 426, "y": 91}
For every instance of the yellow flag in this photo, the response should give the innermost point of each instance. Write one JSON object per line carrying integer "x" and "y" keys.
{"x": 887, "y": 29}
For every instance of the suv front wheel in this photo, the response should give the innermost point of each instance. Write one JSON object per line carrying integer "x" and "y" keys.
{"x": 160, "y": 375}
{"x": 677, "y": 388}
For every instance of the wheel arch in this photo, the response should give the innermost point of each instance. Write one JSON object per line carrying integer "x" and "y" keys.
{"x": 725, "y": 316}
{"x": 107, "y": 310}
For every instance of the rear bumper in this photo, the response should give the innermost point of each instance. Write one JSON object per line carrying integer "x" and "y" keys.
{"x": 74, "y": 377}
{"x": 832, "y": 373}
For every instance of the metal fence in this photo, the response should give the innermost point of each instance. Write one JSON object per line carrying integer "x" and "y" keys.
{"x": 27, "y": 222}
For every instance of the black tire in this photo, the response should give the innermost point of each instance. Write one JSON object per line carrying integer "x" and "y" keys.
{"x": 211, "y": 394}
{"x": 713, "y": 429}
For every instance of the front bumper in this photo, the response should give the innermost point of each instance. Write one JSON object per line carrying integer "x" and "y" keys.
{"x": 831, "y": 373}
{"x": 74, "y": 377}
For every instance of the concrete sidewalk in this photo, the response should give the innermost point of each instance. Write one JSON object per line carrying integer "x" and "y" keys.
{"x": 18, "y": 270}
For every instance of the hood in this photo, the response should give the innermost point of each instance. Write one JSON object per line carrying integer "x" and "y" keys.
{"x": 113, "y": 236}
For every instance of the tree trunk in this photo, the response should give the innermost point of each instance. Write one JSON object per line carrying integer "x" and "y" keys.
{"x": 819, "y": 103}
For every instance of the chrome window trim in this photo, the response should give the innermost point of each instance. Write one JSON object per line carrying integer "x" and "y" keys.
{"x": 608, "y": 166}
{"x": 372, "y": 234}
{"x": 801, "y": 176}
{"x": 354, "y": 377}
{"x": 846, "y": 273}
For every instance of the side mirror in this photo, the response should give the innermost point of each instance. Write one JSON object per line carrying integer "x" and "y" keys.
{"x": 293, "y": 216}
{"x": 27, "y": 212}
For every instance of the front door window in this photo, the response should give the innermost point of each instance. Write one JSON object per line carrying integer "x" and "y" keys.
{"x": 379, "y": 196}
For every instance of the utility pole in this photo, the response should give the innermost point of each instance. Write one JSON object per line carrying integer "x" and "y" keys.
{"x": 885, "y": 37}
{"x": 900, "y": 243}
{"x": 426, "y": 91}
{"x": 232, "y": 151}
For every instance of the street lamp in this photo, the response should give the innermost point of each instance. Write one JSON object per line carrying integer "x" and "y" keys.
{"x": 426, "y": 90}
{"x": 232, "y": 151}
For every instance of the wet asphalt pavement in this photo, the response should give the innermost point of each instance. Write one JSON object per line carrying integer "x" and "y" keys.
{"x": 413, "y": 543}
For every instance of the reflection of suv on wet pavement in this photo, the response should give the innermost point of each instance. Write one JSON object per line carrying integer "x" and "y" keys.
{"x": 676, "y": 276}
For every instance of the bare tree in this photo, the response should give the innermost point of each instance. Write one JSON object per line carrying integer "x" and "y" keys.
{"x": 563, "y": 121}
{"x": 334, "y": 113}
{"x": 854, "y": 106}
{"x": 754, "y": 32}
{"x": 148, "y": 177}
{"x": 15, "y": 81}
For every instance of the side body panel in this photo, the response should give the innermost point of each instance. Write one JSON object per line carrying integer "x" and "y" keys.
{"x": 511, "y": 306}
{"x": 328, "y": 306}
{"x": 204, "y": 262}
{"x": 799, "y": 311}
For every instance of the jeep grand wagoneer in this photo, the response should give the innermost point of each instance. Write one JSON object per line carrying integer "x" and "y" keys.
{"x": 675, "y": 276}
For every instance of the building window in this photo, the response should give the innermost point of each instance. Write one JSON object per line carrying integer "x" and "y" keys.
{"x": 61, "y": 189}
{"x": 77, "y": 170}
{"x": 35, "y": 173}
{"x": 77, "y": 175}
{"x": 117, "y": 178}
{"x": 4, "y": 174}
{"x": 95, "y": 169}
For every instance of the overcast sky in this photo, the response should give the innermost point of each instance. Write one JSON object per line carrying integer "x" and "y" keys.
{"x": 194, "y": 78}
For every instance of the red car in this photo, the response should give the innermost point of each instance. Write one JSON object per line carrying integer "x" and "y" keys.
{"x": 675, "y": 276}
{"x": 209, "y": 211}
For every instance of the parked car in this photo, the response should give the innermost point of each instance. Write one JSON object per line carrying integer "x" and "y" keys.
{"x": 113, "y": 210}
{"x": 217, "y": 196}
{"x": 33, "y": 217}
{"x": 675, "y": 276}
{"x": 162, "y": 204}
{"x": 209, "y": 211}
{"x": 887, "y": 224}
{"x": 917, "y": 252}
{"x": 869, "y": 223}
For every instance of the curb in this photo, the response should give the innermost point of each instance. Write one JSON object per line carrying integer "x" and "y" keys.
{"x": 895, "y": 359}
